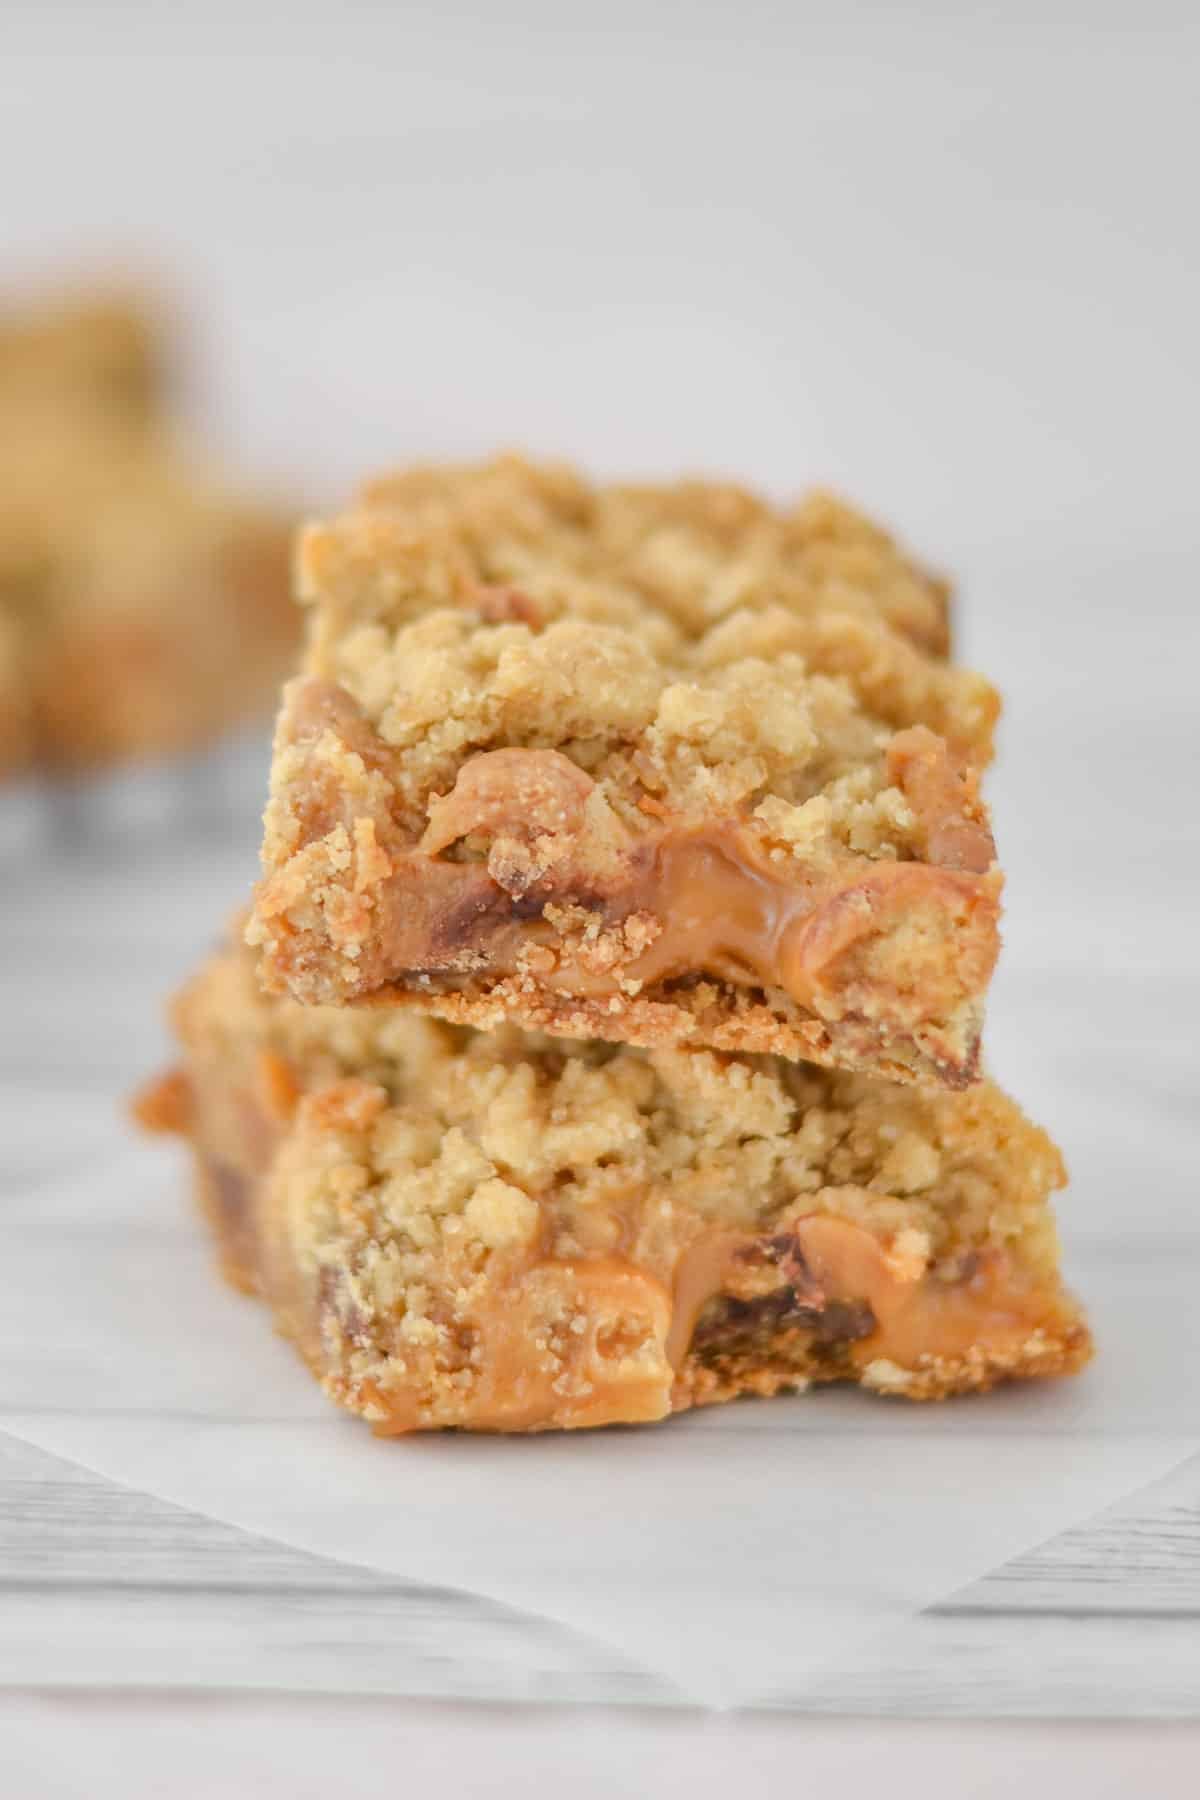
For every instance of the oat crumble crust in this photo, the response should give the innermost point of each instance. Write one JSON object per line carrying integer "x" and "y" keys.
{"x": 144, "y": 606}
{"x": 516, "y": 1232}
{"x": 538, "y": 719}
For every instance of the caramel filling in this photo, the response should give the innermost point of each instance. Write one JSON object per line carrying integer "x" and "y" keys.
{"x": 525, "y": 873}
{"x": 726, "y": 912}
{"x": 897, "y": 1310}
{"x": 569, "y": 898}
{"x": 689, "y": 903}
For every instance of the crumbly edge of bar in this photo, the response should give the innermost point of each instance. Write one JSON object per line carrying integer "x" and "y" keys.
{"x": 781, "y": 1368}
{"x": 716, "y": 1015}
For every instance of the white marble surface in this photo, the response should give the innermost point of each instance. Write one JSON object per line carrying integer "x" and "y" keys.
{"x": 948, "y": 261}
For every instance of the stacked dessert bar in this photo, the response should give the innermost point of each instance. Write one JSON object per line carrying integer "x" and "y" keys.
{"x": 604, "y": 1036}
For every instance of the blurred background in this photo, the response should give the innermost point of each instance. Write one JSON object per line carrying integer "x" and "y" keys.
{"x": 943, "y": 255}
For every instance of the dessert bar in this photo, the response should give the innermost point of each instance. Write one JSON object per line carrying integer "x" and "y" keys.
{"x": 656, "y": 765}
{"x": 514, "y": 1232}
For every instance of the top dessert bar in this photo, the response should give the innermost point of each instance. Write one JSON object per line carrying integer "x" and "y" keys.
{"x": 636, "y": 763}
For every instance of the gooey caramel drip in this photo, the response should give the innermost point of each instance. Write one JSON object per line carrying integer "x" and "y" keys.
{"x": 918, "y": 1315}
{"x": 726, "y": 912}
{"x": 718, "y": 907}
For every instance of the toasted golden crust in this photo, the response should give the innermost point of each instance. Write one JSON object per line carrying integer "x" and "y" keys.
{"x": 523, "y": 694}
{"x": 514, "y": 1232}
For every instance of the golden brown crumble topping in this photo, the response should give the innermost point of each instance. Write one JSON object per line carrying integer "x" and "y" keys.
{"x": 694, "y": 551}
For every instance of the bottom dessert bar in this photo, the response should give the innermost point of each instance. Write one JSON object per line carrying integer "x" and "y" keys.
{"x": 511, "y": 1233}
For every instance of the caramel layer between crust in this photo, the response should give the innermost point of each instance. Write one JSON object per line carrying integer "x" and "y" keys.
{"x": 560, "y": 916}
{"x": 706, "y": 911}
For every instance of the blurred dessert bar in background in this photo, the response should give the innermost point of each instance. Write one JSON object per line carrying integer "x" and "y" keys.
{"x": 75, "y": 355}
{"x": 144, "y": 598}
